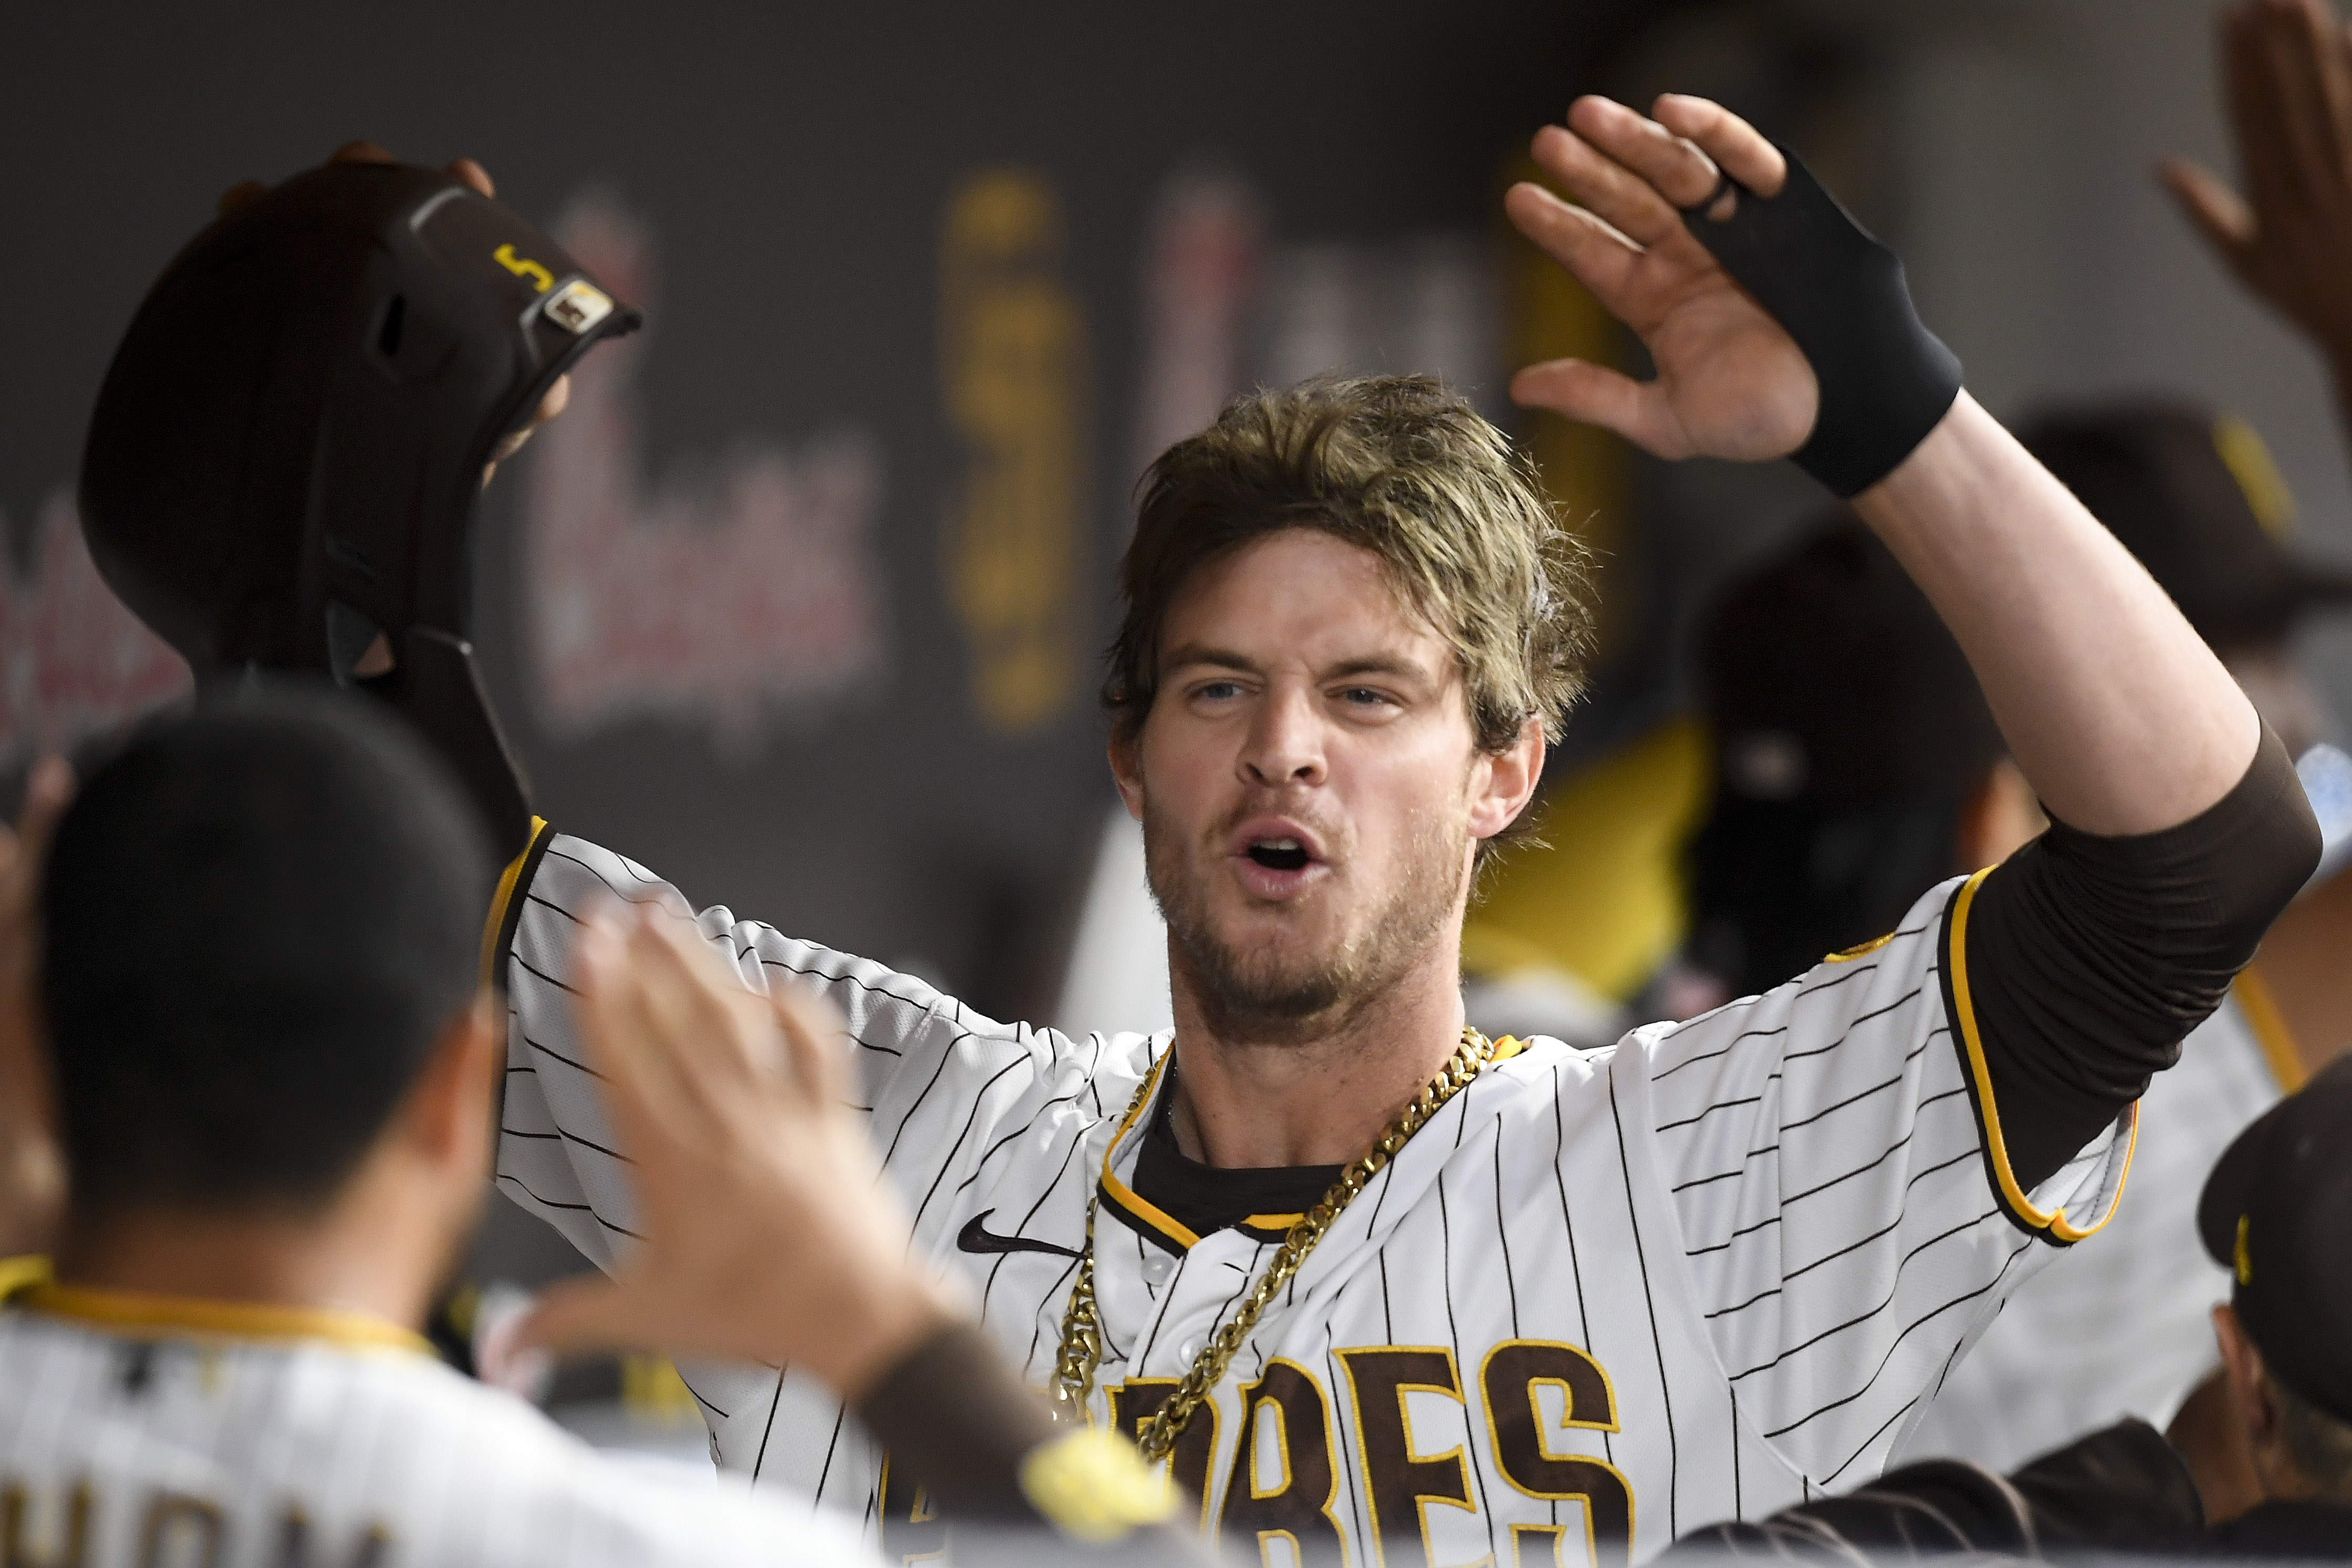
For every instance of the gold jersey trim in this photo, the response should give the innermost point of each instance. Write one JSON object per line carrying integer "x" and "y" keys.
{"x": 138, "y": 1314}
{"x": 1123, "y": 1197}
{"x": 498, "y": 930}
{"x": 2014, "y": 1196}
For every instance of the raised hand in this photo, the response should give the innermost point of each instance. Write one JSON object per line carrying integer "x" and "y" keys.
{"x": 768, "y": 1236}
{"x": 1730, "y": 382}
{"x": 2287, "y": 69}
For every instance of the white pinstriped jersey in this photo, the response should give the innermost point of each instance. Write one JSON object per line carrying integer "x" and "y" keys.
{"x": 1603, "y": 1295}
{"x": 119, "y": 1452}
{"x": 2125, "y": 1329}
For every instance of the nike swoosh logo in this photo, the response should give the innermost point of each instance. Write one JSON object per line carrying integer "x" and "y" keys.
{"x": 975, "y": 1238}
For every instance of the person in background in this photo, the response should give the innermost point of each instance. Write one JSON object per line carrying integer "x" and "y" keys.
{"x": 2287, "y": 70}
{"x": 2276, "y": 1214}
{"x": 1855, "y": 763}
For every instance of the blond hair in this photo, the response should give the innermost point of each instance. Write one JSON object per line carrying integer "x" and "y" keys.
{"x": 1405, "y": 469}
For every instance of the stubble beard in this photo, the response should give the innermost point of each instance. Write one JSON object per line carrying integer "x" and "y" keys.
{"x": 1263, "y": 994}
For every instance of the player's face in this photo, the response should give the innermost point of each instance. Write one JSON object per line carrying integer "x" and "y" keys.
{"x": 1307, "y": 778}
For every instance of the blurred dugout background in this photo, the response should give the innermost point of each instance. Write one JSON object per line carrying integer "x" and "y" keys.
{"x": 801, "y": 603}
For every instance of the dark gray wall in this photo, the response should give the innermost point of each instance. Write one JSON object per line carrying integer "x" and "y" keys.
{"x": 796, "y": 163}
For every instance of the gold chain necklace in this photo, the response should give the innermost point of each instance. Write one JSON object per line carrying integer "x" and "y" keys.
{"x": 1081, "y": 1350}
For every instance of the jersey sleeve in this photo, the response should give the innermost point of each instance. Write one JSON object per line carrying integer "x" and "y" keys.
{"x": 1832, "y": 1153}
{"x": 930, "y": 1071}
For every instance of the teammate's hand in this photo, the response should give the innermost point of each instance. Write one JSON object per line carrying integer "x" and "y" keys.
{"x": 769, "y": 1235}
{"x": 1730, "y": 383}
{"x": 2287, "y": 69}
{"x": 32, "y": 1179}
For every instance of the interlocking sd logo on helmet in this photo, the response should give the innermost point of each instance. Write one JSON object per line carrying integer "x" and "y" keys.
{"x": 289, "y": 447}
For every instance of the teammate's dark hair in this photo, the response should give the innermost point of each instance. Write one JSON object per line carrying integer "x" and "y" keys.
{"x": 259, "y": 918}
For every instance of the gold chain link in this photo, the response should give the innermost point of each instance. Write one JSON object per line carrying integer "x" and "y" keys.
{"x": 1081, "y": 1350}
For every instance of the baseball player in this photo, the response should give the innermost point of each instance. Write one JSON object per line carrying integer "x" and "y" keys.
{"x": 1369, "y": 1281}
{"x": 273, "y": 1058}
{"x": 1373, "y": 1284}
{"x": 277, "y": 1131}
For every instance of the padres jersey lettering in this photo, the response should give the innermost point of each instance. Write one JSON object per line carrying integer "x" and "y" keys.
{"x": 1601, "y": 1298}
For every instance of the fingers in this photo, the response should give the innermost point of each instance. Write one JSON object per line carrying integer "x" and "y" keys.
{"x": 1601, "y": 258}
{"x": 48, "y": 789}
{"x": 574, "y": 1316}
{"x": 1594, "y": 395}
{"x": 812, "y": 1031}
{"x": 360, "y": 152}
{"x": 2212, "y": 209}
{"x": 2292, "y": 94}
{"x": 643, "y": 1091}
{"x": 1597, "y": 181}
{"x": 2257, "y": 123}
{"x": 558, "y": 399}
{"x": 1736, "y": 147}
{"x": 1675, "y": 172}
{"x": 717, "y": 1031}
{"x": 2300, "y": 92}
{"x": 474, "y": 175}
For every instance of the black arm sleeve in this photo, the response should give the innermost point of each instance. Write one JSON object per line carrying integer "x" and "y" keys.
{"x": 2084, "y": 960}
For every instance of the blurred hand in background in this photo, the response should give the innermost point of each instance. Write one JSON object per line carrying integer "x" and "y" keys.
{"x": 2287, "y": 74}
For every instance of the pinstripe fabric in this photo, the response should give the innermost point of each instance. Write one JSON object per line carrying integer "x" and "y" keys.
{"x": 248, "y": 1454}
{"x": 1765, "y": 1232}
{"x": 2125, "y": 1329}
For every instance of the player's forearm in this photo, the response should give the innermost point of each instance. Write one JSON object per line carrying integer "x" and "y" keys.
{"x": 2122, "y": 718}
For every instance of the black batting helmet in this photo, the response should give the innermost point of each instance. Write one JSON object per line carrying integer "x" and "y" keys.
{"x": 289, "y": 447}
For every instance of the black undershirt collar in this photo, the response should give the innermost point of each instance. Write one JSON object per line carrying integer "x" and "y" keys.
{"x": 1208, "y": 1199}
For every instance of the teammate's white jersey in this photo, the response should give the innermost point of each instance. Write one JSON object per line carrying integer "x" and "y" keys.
{"x": 2123, "y": 1328}
{"x": 1602, "y": 1296}
{"x": 136, "y": 1452}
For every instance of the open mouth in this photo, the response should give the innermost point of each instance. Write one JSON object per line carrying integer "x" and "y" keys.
{"x": 1279, "y": 854}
